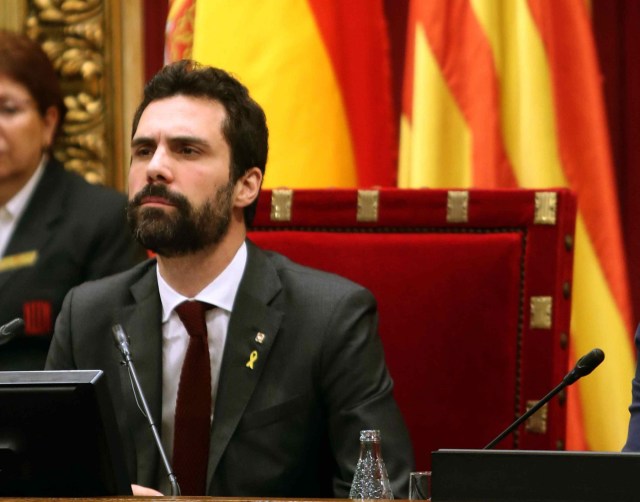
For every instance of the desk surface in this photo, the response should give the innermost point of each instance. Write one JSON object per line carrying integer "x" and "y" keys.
{"x": 169, "y": 498}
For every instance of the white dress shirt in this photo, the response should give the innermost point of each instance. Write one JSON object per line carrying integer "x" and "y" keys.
{"x": 11, "y": 212}
{"x": 175, "y": 339}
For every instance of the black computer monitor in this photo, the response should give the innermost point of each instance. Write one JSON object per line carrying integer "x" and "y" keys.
{"x": 58, "y": 436}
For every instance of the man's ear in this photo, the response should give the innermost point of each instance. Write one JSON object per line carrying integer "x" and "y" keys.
{"x": 248, "y": 187}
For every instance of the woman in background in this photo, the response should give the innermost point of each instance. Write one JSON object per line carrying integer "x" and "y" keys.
{"x": 56, "y": 229}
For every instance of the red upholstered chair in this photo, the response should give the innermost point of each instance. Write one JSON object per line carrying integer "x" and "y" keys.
{"x": 474, "y": 298}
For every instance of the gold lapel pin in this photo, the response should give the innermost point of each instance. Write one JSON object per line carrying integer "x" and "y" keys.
{"x": 260, "y": 337}
{"x": 253, "y": 357}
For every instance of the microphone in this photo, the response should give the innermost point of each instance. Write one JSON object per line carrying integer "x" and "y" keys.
{"x": 585, "y": 365}
{"x": 10, "y": 330}
{"x": 122, "y": 343}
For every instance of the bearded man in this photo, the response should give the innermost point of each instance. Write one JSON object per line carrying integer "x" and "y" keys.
{"x": 292, "y": 365}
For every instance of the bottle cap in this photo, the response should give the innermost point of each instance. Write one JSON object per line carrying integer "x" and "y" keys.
{"x": 370, "y": 435}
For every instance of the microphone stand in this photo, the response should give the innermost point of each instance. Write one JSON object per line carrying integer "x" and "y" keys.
{"x": 123, "y": 345}
{"x": 526, "y": 415}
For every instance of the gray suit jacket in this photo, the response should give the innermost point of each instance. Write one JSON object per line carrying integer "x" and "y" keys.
{"x": 289, "y": 427}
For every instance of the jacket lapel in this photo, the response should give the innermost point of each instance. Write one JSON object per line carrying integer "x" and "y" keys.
{"x": 253, "y": 327}
{"x": 37, "y": 224}
{"x": 141, "y": 321}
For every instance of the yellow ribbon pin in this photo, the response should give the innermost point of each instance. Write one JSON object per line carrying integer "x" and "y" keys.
{"x": 253, "y": 357}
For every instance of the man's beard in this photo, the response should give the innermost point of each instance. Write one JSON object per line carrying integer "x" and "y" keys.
{"x": 184, "y": 230}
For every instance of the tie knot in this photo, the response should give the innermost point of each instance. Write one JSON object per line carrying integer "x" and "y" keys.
{"x": 192, "y": 315}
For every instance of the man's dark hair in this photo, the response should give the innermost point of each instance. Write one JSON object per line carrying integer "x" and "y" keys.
{"x": 245, "y": 128}
{"x": 24, "y": 61}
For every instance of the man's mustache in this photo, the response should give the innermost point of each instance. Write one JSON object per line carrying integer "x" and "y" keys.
{"x": 156, "y": 190}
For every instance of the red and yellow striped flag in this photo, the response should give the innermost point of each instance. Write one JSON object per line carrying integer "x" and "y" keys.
{"x": 508, "y": 93}
{"x": 179, "y": 30}
{"x": 321, "y": 70}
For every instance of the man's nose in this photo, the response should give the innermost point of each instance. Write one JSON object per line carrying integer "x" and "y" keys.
{"x": 159, "y": 167}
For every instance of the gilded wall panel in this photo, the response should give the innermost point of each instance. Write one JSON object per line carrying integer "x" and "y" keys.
{"x": 100, "y": 74}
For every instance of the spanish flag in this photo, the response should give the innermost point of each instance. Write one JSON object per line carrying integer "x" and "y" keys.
{"x": 320, "y": 69}
{"x": 508, "y": 93}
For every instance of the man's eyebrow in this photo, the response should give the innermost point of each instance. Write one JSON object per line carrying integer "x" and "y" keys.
{"x": 142, "y": 140}
{"x": 145, "y": 140}
{"x": 194, "y": 140}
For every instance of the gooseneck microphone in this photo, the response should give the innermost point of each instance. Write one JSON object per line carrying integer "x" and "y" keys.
{"x": 122, "y": 343}
{"x": 585, "y": 365}
{"x": 10, "y": 330}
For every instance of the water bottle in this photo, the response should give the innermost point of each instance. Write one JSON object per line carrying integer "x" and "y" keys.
{"x": 370, "y": 480}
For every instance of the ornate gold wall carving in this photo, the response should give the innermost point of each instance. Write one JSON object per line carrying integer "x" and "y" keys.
{"x": 84, "y": 39}
{"x": 12, "y": 14}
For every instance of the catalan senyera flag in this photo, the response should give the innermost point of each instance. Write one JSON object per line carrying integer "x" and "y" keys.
{"x": 508, "y": 93}
{"x": 321, "y": 70}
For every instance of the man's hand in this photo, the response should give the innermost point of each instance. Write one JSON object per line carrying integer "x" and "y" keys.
{"x": 143, "y": 491}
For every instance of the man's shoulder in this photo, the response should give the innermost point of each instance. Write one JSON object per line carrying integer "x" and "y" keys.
{"x": 114, "y": 286}
{"x": 312, "y": 280}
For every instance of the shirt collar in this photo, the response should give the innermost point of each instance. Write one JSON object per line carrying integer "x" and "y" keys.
{"x": 17, "y": 204}
{"x": 221, "y": 292}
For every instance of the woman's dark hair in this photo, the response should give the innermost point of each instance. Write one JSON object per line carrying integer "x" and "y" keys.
{"x": 24, "y": 61}
{"x": 245, "y": 128}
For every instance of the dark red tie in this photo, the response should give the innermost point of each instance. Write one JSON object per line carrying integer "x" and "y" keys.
{"x": 193, "y": 406}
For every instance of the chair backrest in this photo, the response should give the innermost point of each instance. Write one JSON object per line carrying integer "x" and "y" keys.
{"x": 473, "y": 289}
